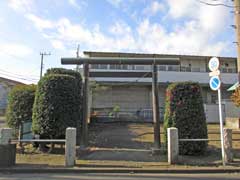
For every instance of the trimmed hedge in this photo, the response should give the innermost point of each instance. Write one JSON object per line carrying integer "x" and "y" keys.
{"x": 69, "y": 72}
{"x": 78, "y": 79}
{"x": 20, "y": 104}
{"x": 56, "y": 105}
{"x": 184, "y": 110}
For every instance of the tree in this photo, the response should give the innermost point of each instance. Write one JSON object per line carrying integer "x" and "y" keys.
{"x": 20, "y": 104}
{"x": 56, "y": 105}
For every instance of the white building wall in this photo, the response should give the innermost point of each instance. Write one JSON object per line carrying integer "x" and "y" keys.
{"x": 128, "y": 98}
{"x": 133, "y": 98}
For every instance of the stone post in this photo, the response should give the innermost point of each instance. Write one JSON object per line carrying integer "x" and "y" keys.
{"x": 5, "y": 135}
{"x": 70, "y": 147}
{"x": 7, "y": 150}
{"x": 227, "y": 133}
{"x": 172, "y": 135}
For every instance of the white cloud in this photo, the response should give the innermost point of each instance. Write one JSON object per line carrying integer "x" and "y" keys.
{"x": 2, "y": 20}
{"x": 154, "y": 8}
{"x": 40, "y": 23}
{"x": 120, "y": 28}
{"x": 57, "y": 44}
{"x": 213, "y": 19}
{"x": 21, "y": 5}
{"x": 210, "y": 18}
{"x": 180, "y": 8}
{"x": 191, "y": 37}
{"x": 77, "y": 4}
{"x": 15, "y": 49}
{"x": 188, "y": 39}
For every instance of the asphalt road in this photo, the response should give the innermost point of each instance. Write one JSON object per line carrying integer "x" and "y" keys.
{"x": 119, "y": 176}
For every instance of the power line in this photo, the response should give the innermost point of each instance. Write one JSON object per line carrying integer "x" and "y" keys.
{"x": 216, "y": 4}
{"x": 14, "y": 76}
{"x": 18, "y": 78}
{"x": 17, "y": 74}
{"x": 11, "y": 55}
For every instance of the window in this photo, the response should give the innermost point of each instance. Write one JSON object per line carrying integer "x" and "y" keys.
{"x": 173, "y": 68}
{"x": 213, "y": 98}
{"x": 131, "y": 67}
{"x": 94, "y": 66}
{"x": 119, "y": 66}
{"x": 186, "y": 69}
{"x": 162, "y": 68}
{"x": 112, "y": 66}
{"x": 103, "y": 66}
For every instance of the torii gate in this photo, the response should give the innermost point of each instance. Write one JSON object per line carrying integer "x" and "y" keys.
{"x": 127, "y": 61}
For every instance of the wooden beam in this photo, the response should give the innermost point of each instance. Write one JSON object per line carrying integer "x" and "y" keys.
{"x": 129, "y": 61}
{"x": 155, "y": 106}
{"x": 84, "y": 133}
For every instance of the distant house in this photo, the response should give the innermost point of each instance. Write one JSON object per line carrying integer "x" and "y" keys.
{"x": 5, "y": 86}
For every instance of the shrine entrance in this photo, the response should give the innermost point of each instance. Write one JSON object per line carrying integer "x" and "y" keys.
{"x": 85, "y": 61}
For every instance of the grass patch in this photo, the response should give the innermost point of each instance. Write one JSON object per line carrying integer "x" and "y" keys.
{"x": 43, "y": 159}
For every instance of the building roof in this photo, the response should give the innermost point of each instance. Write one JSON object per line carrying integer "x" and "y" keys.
{"x": 13, "y": 82}
{"x": 121, "y": 54}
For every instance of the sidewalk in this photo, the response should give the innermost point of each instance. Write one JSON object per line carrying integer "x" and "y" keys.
{"x": 177, "y": 170}
{"x": 45, "y": 163}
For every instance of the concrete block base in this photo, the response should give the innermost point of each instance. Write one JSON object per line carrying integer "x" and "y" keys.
{"x": 7, "y": 155}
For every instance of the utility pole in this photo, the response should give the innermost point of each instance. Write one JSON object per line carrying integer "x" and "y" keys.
{"x": 77, "y": 67}
{"x": 78, "y": 47}
{"x": 42, "y": 54}
{"x": 237, "y": 23}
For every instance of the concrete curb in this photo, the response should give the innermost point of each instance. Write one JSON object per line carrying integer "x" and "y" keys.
{"x": 121, "y": 170}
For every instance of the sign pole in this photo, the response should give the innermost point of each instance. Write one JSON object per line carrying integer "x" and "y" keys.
{"x": 215, "y": 84}
{"x": 221, "y": 125}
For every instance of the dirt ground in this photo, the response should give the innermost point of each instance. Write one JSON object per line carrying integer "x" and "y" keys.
{"x": 121, "y": 135}
{"x": 134, "y": 142}
{"x": 121, "y": 141}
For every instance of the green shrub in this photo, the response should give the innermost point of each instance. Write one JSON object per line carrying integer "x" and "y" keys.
{"x": 69, "y": 72}
{"x": 78, "y": 79}
{"x": 184, "y": 110}
{"x": 56, "y": 105}
{"x": 20, "y": 104}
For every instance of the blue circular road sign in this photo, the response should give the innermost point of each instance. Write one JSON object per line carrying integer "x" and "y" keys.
{"x": 213, "y": 64}
{"x": 215, "y": 83}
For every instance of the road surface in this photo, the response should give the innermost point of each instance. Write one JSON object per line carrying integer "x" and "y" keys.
{"x": 53, "y": 176}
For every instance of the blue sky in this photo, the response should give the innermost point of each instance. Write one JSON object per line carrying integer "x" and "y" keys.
{"x": 144, "y": 26}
